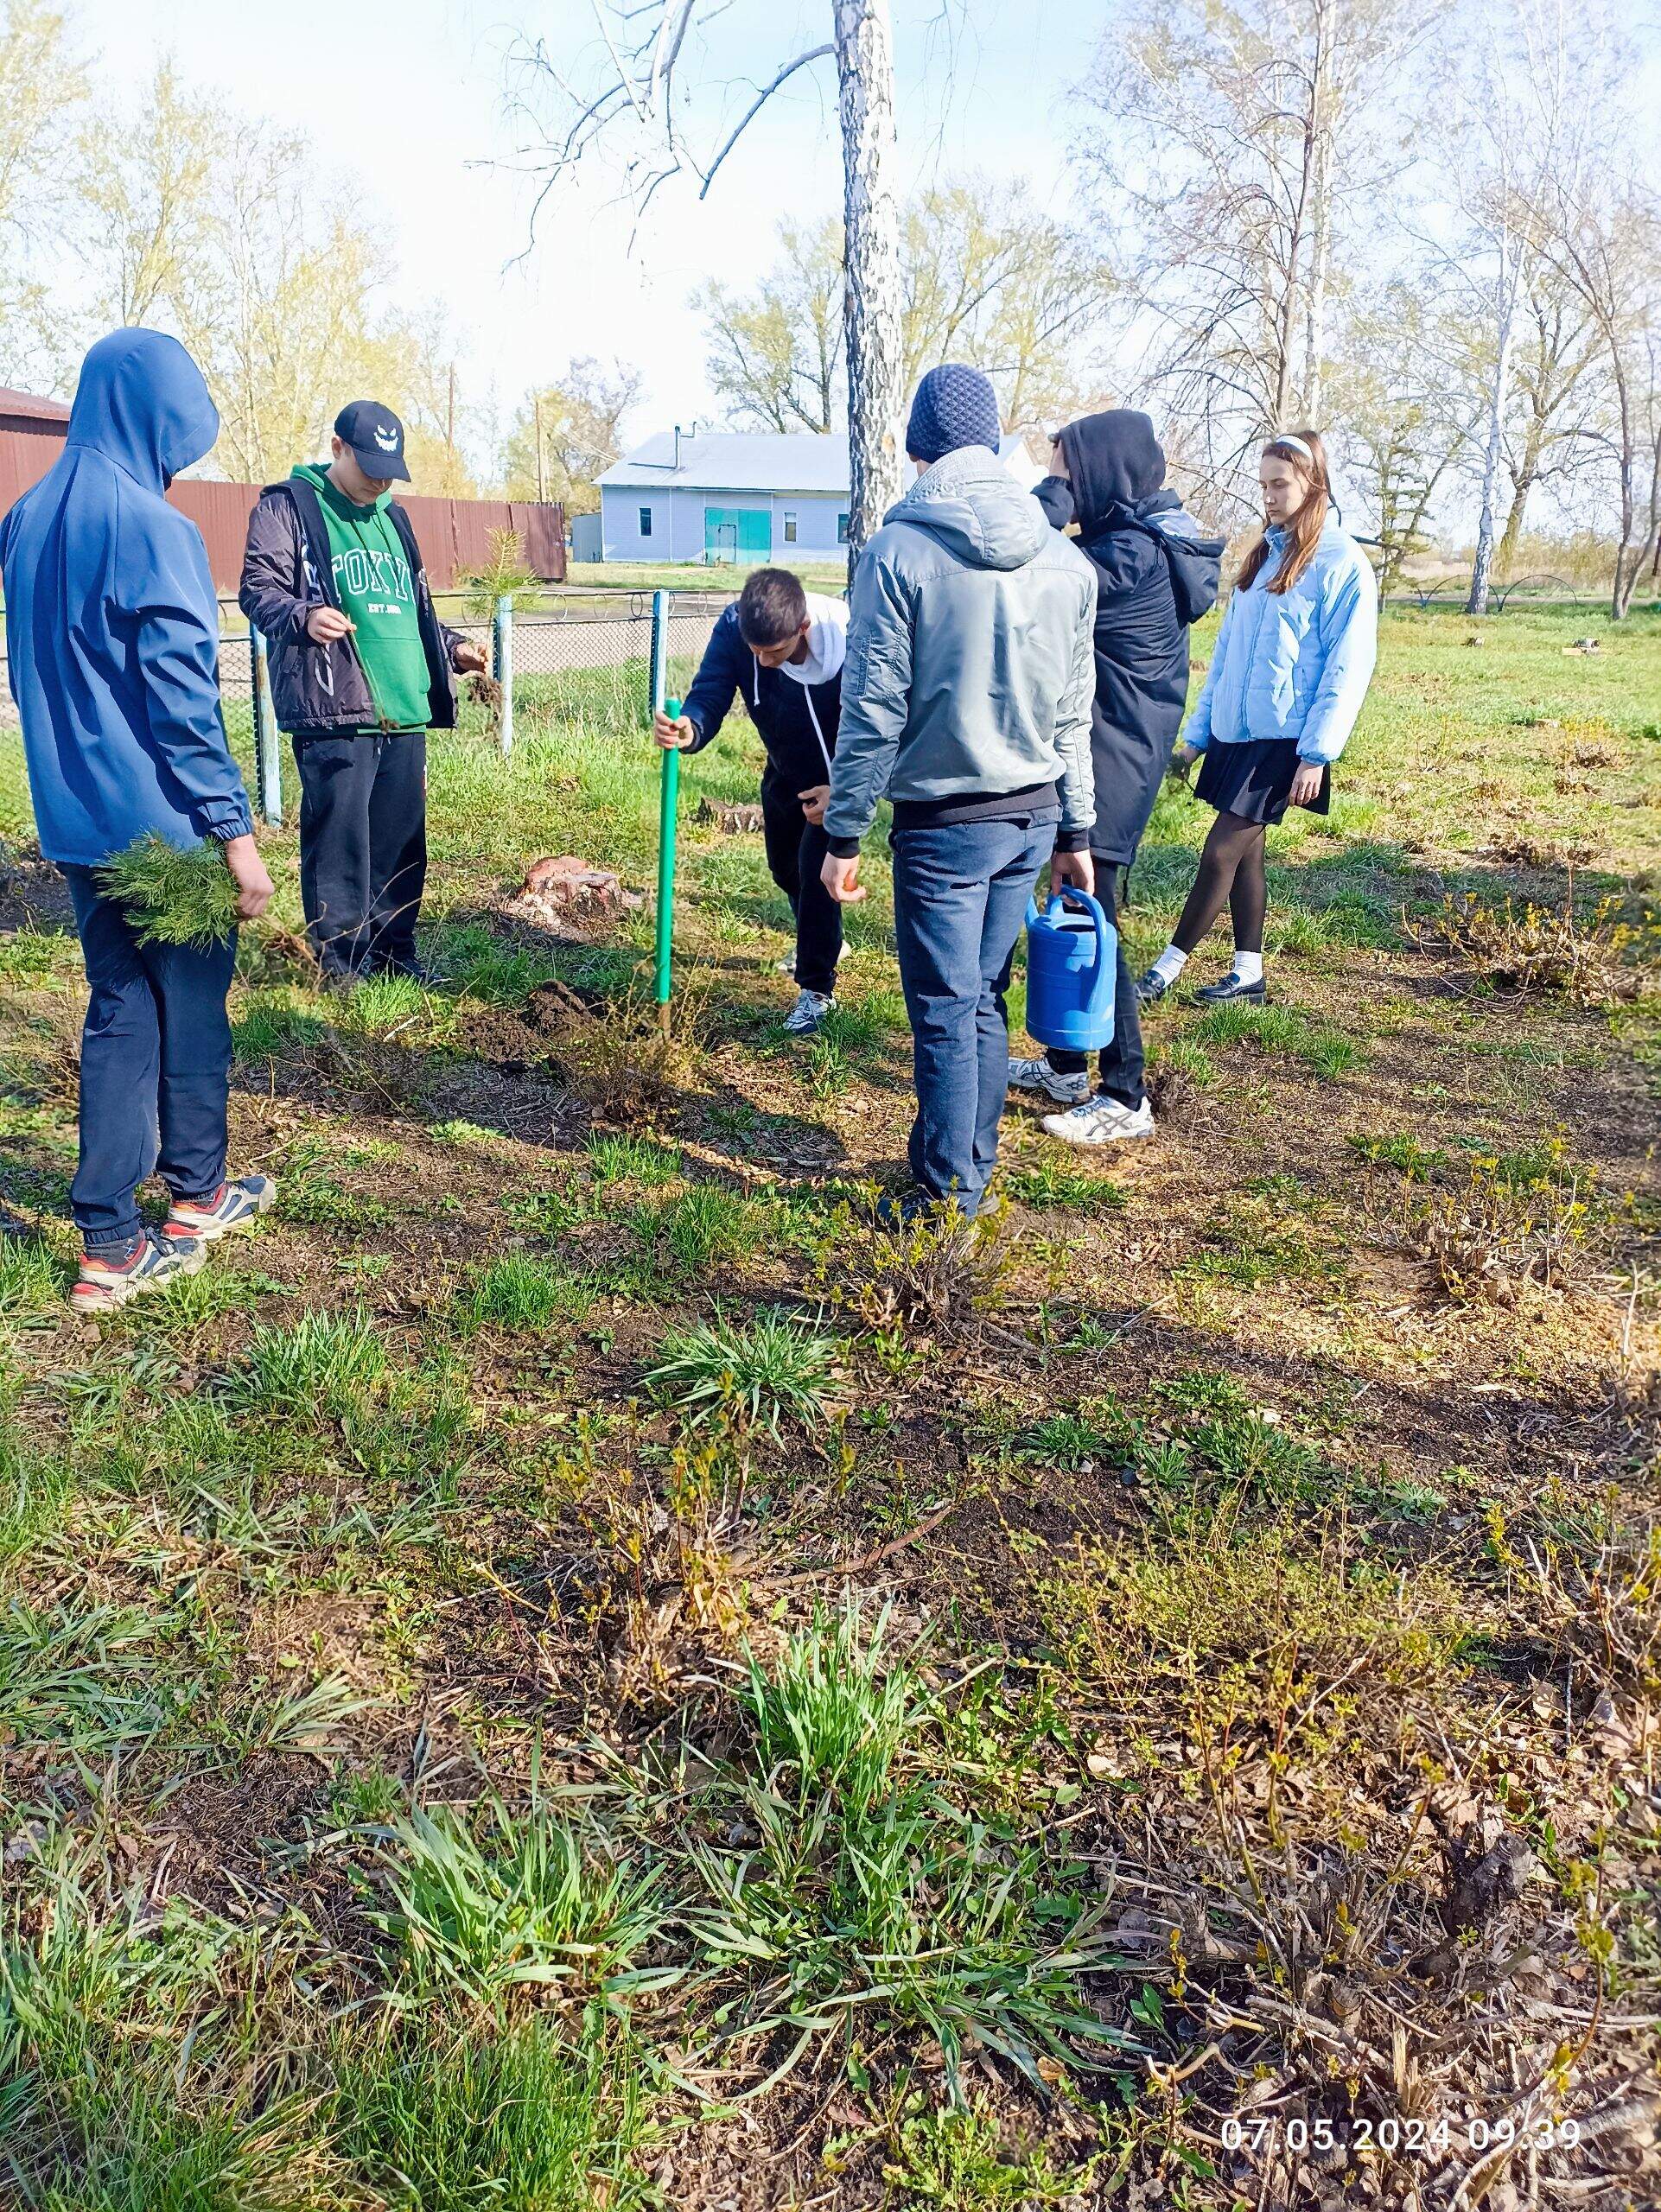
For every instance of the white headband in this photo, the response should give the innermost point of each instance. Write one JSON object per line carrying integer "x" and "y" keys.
{"x": 1286, "y": 438}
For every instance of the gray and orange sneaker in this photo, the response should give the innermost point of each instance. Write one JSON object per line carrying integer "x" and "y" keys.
{"x": 232, "y": 1206}
{"x": 104, "y": 1284}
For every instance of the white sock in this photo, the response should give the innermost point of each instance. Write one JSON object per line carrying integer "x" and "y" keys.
{"x": 1248, "y": 966}
{"x": 1170, "y": 963}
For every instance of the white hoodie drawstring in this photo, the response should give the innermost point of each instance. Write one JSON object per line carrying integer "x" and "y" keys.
{"x": 812, "y": 716}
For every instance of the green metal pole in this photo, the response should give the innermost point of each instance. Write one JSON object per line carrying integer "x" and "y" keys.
{"x": 668, "y": 809}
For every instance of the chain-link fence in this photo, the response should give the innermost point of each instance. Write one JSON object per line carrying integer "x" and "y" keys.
{"x": 574, "y": 658}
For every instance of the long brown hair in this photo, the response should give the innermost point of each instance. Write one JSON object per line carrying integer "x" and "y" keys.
{"x": 1303, "y": 532}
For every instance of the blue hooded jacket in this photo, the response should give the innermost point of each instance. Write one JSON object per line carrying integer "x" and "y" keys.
{"x": 111, "y": 625}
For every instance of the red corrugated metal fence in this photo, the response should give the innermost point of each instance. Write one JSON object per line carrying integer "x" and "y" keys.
{"x": 453, "y": 534}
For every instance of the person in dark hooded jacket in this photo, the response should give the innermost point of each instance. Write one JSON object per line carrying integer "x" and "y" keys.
{"x": 1157, "y": 573}
{"x": 112, "y": 637}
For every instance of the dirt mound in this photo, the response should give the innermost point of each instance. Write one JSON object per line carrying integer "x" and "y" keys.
{"x": 570, "y": 888}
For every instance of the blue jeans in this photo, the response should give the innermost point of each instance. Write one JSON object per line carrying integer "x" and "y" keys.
{"x": 960, "y": 894}
{"x": 154, "y": 1068}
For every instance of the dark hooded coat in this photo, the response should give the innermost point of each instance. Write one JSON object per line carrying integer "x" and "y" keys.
{"x": 1155, "y": 574}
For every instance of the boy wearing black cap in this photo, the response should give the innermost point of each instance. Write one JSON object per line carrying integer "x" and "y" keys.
{"x": 361, "y": 668}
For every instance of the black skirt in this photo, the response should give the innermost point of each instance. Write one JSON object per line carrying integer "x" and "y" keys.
{"x": 1254, "y": 779}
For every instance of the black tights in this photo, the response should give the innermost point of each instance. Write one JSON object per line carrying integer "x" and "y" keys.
{"x": 1231, "y": 874}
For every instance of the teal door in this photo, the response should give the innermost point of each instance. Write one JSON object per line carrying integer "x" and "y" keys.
{"x": 743, "y": 534}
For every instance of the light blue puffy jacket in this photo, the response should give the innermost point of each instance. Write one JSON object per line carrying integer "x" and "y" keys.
{"x": 1294, "y": 664}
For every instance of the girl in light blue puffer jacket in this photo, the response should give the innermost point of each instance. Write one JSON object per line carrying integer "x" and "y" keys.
{"x": 1287, "y": 676}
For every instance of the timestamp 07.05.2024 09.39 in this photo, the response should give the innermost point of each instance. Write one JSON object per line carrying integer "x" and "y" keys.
{"x": 1394, "y": 2137}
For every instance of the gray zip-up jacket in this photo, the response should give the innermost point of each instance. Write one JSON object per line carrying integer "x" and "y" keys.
{"x": 969, "y": 670}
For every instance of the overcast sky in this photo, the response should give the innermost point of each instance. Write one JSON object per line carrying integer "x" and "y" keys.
{"x": 410, "y": 97}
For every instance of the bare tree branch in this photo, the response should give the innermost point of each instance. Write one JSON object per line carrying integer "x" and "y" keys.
{"x": 813, "y": 53}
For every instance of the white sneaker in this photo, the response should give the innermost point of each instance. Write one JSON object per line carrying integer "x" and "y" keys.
{"x": 1038, "y": 1075}
{"x": 1100, "y": 1120}
{"x": 808, "y": 1014}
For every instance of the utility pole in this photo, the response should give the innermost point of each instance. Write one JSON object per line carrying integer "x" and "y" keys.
{"x": 449, "y": 428}
{"x": 541, "y": 479}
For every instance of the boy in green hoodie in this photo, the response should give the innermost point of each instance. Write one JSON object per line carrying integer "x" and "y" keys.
{"x": 361, "y": 668}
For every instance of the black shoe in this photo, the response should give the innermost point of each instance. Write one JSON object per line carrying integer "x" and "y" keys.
{"x": 416, "y": 970}
{"x": 1151, "y": 989}
{"x": 1232, "y": 992}
{"x": 899, "y": 1210}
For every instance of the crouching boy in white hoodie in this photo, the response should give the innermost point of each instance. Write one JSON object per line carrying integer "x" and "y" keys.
{"x": 782, "y": 648}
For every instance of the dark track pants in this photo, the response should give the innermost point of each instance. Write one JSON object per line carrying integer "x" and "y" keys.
{"x": 154, "y": 1068}
{"x": 363, "y": 845}
{"x": 796, "y": 850}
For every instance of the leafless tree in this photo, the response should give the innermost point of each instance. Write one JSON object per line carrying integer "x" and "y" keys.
{"x": 1240, "y": 136}
{"x": 634, "y": 88}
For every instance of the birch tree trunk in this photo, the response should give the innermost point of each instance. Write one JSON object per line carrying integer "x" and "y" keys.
{"x": 1498, "y": 399}
{"x": 1323, "y": 122}
{"x": 864, "y": 45}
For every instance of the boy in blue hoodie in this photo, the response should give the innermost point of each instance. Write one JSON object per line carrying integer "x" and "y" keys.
{"x": 113, "y": 638}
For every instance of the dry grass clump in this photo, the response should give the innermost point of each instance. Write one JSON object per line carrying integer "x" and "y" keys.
{"x": 1534, "y": 948}
{"x": 627, "y": 1064}
{"x": 1497, "y": 1235}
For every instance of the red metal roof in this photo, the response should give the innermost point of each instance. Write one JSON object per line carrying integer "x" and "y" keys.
{"x": 31, "y": 405}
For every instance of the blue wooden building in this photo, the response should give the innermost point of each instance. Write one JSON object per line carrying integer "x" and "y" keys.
{"x": 726, "y": 496}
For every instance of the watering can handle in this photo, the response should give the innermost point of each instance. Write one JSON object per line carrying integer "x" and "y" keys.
{"x": 1105, "y": 987}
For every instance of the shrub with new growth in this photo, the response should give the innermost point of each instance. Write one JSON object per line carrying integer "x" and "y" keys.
{"x": 1542, "y": 949}
{"x": 170, "y": 896}
{"x": 940, "y": 1273}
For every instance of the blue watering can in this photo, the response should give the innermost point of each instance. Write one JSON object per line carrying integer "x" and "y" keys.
{"x": 1072, "y": 966}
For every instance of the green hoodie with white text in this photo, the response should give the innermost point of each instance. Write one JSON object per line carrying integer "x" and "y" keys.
{"x": 377, "y": 595}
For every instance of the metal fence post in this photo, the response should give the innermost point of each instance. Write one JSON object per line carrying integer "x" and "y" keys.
{"x": 268, "y": 758}
{"x": 503, "y": 640}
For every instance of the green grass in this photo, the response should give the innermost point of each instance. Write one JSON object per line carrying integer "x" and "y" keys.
{"x": 854, "y": 1693}
{"x": 323, "y": 1362}
{"x": 521, "y": 1293}
{"x": 1287, "y": 1030}
{"x": 481, "y": 1911}
{"x": 867, "y": 1901}
{"x": 30, "y": 1280}
{"x": 1048, "y": 1187}
{"x": 771, "y": 1371}
{"x": 523, "y": 2122}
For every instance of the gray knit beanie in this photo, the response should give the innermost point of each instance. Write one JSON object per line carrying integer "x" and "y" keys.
{"x": 954, "y": 406}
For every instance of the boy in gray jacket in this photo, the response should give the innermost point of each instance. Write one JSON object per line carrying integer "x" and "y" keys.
{"x": 965, "y": 697}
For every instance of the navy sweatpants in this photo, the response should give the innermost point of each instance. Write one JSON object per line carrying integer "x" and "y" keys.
{"x": 154, "y": 1068}
{"x": 363, "y": 846}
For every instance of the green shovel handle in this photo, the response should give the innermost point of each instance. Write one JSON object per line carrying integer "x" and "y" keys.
{"x": 668, "y": 812}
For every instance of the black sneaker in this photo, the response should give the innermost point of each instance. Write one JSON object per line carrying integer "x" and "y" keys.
{"x": 1151, "y": 988}
{"x": 1232, "y": 992}
{"x": 416, "y": 970}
